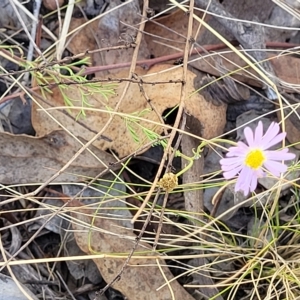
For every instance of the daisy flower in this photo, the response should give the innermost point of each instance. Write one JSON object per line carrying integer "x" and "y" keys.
{"x": 250, "y": 161}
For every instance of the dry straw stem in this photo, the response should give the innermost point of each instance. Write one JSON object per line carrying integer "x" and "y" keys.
{"x": 94, "y": 256}
{"x": 194, "y": 198}
{"x": 241, "y": 55}
{"x": 18, "y": 4}
{"x": 237, "y": 52}
{"x": 287, "y": 8}
{"x": 167, "y": 150}
{"x": 68, "y": 34}
{"x": 131, "y": 72}
{"x": 84, "y": 147}
{"x": 249, "y": 62}
{"x": 64, "y": 33}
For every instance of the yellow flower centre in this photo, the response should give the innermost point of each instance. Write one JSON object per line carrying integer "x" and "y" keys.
{"x": 255, "y": 159}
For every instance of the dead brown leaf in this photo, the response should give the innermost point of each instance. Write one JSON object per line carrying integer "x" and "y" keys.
{"x": 284, "y": 66}
{"x": 167, "y": 35}
{"x": 141, "y": 277}
{"x": 117, "y": 28}
{"x": 25, "y": 159}
{"x": 210, "y": 118}
{"x": 82, "y": 39}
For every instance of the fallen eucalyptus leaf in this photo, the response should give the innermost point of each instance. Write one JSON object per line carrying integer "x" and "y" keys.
{"x": 104, "y": 197}
{"x": 172, "y": 27}
{"x": 26, "y": 159}
{"x": 209, "y": 119}
{"x": 142, "y": 276}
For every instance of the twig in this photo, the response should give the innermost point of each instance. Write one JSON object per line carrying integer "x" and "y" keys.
{"x": 68, "y": 59}
{"x": 65, "y": 285}
{"x": 146, "y": 63}
{"x": 140, "y": 83}
{"x": 131, "y": 72}
{"x": 168, "y": 168}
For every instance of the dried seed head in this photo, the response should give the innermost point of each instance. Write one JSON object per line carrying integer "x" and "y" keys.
{"x": 168, "y": 182}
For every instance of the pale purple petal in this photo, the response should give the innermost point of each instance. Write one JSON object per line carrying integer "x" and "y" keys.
{"x": 280, "y": 155}
{"x": 271, "y": 133}
{"x": 242, "y": 146}
{"x": 258, "y": 132}
{"x": 260, "y": 173}
{"x": 240, "y": 183}
{"x": 230, "y": 161}
{"x": 236, "y": 152}
{"x": 249, "y": 136}
{"x": 228, "y": 168}
{"x": 233, "y": 151}
{"x": 230, "y": 174}
{"x": 274, "y": 141}
{"x": 253, "y": 182}
{"x": 234, "y": 162}
{"x": 245, "y": 180}
{"x": 240, "y": 150}
{"x": 275, "y": 167}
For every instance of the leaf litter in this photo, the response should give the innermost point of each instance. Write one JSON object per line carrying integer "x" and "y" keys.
{"x": 140, "y": 122}
{"x": 134, "y": 112}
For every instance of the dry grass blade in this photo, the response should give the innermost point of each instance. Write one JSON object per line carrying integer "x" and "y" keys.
{"x": 150, "y": 228}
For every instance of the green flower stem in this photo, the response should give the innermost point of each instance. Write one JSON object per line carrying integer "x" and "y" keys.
{"x": 197, "y": 153}
{"x": 190, "y": 159}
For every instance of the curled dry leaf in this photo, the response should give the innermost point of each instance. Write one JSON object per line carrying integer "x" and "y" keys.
{"x": 224, "y": 90}
{"x": 210, "y": 118}
{"x": 25, "y": 159}
{"x": 142, "y": 276}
